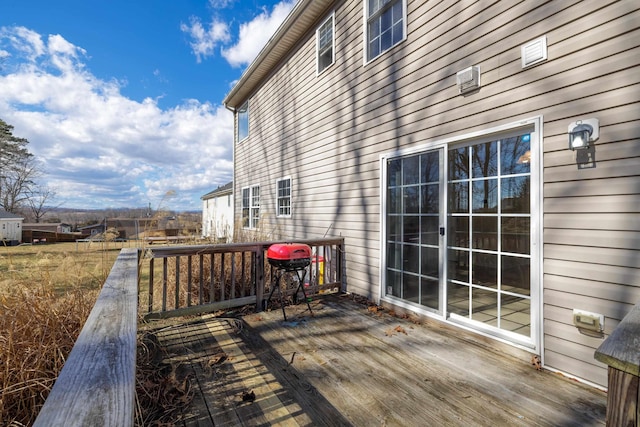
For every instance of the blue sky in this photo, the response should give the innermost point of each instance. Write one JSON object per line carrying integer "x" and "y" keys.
{"x": 121, "y": 100}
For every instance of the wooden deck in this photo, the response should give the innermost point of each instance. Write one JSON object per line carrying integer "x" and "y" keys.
{"x": 347, "y": 365}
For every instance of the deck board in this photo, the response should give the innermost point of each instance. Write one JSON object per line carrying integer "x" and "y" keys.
{"x": 347, "y": 366}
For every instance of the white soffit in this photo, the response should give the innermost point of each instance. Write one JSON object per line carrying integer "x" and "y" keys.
{"x": 534, "y": 52}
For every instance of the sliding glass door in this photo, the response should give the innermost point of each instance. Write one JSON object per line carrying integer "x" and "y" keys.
{"x": 459, "y": 230}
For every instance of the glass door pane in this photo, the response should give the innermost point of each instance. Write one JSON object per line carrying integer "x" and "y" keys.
{"x": 489, "y": 233}
{"x": 414, "y": 216}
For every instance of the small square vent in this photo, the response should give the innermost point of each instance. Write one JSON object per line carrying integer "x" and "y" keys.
{"x": 534, "y": 52}
{"x": 468, "y": 79}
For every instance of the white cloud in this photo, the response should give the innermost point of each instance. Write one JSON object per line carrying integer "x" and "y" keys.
{"x": 64, "y": 55}
{"x": 220, "y": 4}
{"x": 204, "y": 41}
{"x": 255, "y": 34}
{"x": 100, "y": 148}
{"x": 25, "y": 41}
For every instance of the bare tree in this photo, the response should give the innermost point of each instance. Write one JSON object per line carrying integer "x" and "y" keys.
{"x": 40, "y": 202}
{"x": 18, "y": 184}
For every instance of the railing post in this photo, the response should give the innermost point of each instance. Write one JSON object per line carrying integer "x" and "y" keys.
{"x": 259, "y": 268}
{"x": 621, "y": 351}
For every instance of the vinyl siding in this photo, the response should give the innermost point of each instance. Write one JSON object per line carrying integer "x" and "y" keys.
{"x": 328, "y": 132}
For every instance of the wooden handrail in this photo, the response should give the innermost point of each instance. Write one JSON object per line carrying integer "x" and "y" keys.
{"x": 621, "y": 352}
{"x": 97, "y": 383}
{"x": 171, "y": 251}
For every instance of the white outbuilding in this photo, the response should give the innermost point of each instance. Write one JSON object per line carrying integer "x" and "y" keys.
{"x": 10, "y": 228}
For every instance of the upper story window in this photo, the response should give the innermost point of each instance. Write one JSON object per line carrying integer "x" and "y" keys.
{"x": 243, "y": 121}
{"x": 283, "y": 197}
{"x": 250, "y": 206}
{"x": 386, "y": 25}
{"x": 325, "y": 44}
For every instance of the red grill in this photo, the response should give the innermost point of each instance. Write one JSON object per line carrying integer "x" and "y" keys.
{"x": 293, "y": 258}
{"x": 289, "y": 256}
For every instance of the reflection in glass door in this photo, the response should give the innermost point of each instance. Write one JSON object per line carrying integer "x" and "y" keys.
{"x": 413, "y": 217}
{"x": 489, "y": 233}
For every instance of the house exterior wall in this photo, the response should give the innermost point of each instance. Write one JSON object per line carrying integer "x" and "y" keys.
{"x": 328, "y": 132}
{"x": 217, "y": 217}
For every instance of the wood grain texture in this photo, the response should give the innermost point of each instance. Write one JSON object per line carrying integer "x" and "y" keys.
{"x": 623, "y": 399}
{"x": 347, "y": 365}
{"x": 96, "y": 386}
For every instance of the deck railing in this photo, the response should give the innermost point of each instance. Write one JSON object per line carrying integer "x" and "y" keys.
{"x": 96, "y": 386}
{"x": 185, "y": 280}
{"x": 97, "y": 383}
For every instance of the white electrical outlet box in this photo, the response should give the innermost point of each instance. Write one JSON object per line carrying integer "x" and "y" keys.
{"x": 588, "y": 321}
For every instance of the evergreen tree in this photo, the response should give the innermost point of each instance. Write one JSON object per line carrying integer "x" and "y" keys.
{"x": 12, "y": 148}
{"x": 17, "y": 170}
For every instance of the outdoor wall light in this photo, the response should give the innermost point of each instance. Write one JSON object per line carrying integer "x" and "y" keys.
{"x": 583, "y": 132}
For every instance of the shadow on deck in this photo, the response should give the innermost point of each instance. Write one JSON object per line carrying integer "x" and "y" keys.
{"x": 346, "y": 365}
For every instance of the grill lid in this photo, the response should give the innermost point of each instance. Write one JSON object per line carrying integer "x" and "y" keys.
{"x": 289, "y": 255}
{"x": 288, "y": 251}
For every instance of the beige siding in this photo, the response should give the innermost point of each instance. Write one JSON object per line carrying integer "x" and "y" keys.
{"x": 327, "y": 132}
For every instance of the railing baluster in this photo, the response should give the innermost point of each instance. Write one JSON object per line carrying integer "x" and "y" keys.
{"x": 200, "y": 297}
{"x": 316, "y": 266}
{"x": 243, "y": 290}
{"x": 212, "y": 288}
{"x": 232, "y": 294}
{"x": 340, "y": 266}
{"x": 222, "y": 276}
{"x": 150, "y": 305}
{"x": 189, "y": 278}
{"x": 165, "y": 274}
{"x": 259, "y": 251}
{"x": 177, "y": 297}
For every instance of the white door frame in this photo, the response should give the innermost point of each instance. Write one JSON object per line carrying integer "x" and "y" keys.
{"x": 535, "y": 342}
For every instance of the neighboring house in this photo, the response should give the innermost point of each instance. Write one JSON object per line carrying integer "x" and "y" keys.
{"x": 10, "y": 228}
{"x": 434, "y": 137}
{"x": 217, "y": 213}
{"x": 93, "y": 230}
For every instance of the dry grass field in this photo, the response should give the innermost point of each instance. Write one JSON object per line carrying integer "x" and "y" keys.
{"x": 46, "y": 294}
